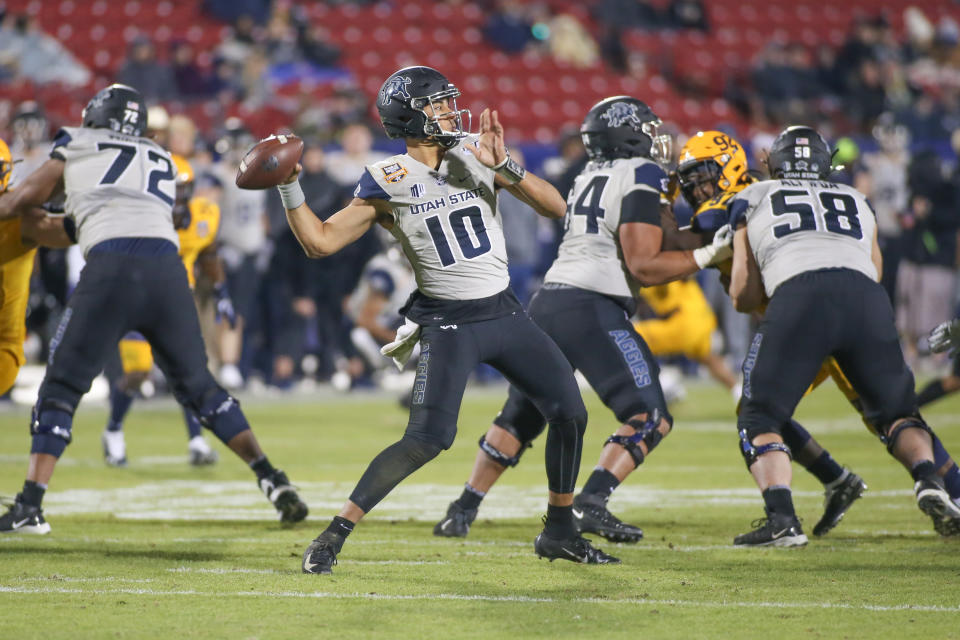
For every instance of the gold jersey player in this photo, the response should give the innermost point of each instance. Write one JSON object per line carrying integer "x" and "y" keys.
{"x": 196, "y": 220}
{"x": 439, "y": 201}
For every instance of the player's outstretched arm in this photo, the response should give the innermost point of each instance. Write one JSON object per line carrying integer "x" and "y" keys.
{"x": 323, "y": 238}
{"x": 642, "y": 245}
{"x": 33, "y": 191}
{"x": 746, "y": 283}
{"x": 491, "y": 151}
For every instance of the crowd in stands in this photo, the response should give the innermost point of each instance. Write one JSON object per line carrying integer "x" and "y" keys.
{"x": 888, "y": 95}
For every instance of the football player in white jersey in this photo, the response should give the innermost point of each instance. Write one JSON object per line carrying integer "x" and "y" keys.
{"x": 120, "y": 192}
{"x": 810, "y": 246}
{"x": 439, "y": 201}
{"x": 612, "y": 245}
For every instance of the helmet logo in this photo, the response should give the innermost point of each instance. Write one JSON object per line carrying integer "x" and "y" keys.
{"x": 621, "y": 113}
{"x": 395, "y": 86}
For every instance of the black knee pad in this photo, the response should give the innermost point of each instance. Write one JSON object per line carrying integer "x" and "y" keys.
{"x": 499, "y": 456}
{"x": 646, "y": 431}
{"x": 750, "y": 452}
{"x": 220, "y": 413}
{"x": 892, "y": 433}
{"x": 418, "y": 451}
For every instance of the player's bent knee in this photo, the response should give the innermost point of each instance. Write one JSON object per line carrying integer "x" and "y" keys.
{"x": 752, "y": 452}
{"x": 220, "y": 413}
{"x": 648, "y": 429}
{"x": 496, "y": 452}
{"x": 896, "y": 429}
{"x": 51, "y": 427}
{"x": 419, "y": 452}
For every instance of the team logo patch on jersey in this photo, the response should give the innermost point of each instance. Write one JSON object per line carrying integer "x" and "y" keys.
{"x": 394, "y": 172}
{"x": 621, "y": 113}
{"x": 441, "y": 180}
{"x": 416, "y": 191}
{"x": 397, "y": 86}
{"x": 203, "y": 229}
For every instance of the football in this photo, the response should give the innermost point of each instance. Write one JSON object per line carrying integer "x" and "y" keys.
{"x": 269, "y": 162}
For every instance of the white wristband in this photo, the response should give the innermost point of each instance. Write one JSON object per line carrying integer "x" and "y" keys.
{"x": 291, "y": 195}
{"x": 510, "y": 170}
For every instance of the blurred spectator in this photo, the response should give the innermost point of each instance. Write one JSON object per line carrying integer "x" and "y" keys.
{"x": 687, "y": 14}
{"x": 613, "y": 51}
{"x": 256, "y": 88}
{"x": 244, "y": 246}
{"x": 231, "y": 10}
{"x": 884, "y": 182}
{"x": 508, "y": 27}
{"x": 182, "y": 136}
{"x": 242, "y": 38}
{"x": 30, "y": 139}
{"x": 927, "y": 274}
{"x": 145, "y": 73}
{"x": 625, "y": 14}
{"x": 356, "y": 143}
{"x": 314, "y": 290}
{"x": 191, "y": 80}
{"x": 280, "y": 40}
{"x": 314, "y": 42}
{"x": 571, "y": 43}
{"x": 27, "y": 52}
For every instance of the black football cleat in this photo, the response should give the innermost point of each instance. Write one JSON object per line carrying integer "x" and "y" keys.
{"x": 321, "y": 554}
{"x": 590, "y": 515}
{"x": 456, "y": 524}
{"x": 773, "y": 531}
{"x": 576, "y": 549}
{"x": 284, "y": 497}
{"x": 22, "y": 518}
{"x": 837, "y": 500}
{"x": 934, "y": 501}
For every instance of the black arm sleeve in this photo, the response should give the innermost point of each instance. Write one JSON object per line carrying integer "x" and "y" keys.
{"x": 640, "y": 205}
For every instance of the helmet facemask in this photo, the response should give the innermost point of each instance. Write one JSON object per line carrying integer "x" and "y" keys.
{"x": 433, "y": 127}
{"x": 695, "y": 175}
{"x": 661, "y": 145}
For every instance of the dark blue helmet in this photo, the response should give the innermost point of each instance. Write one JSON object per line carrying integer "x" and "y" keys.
{"x": 800, "y": 152}
{"x": 404, "y": 96}
{"x": 623, "y": 127}
{"x": 117, "y": 107}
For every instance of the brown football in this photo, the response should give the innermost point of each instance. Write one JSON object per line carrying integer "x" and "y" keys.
{"x": 269, "y": 162}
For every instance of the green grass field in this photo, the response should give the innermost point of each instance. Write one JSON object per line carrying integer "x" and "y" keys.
{"x": 163, "y": 550}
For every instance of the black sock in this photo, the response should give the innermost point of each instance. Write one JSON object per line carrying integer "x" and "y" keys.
{"x": 922, "y": 470}
{"x": 601, "y": 483}
{"x": 779, "y": 500}
{"x": 339, "y": 528}
{"x": 930, "y": 393}
{"x": 470, "y": 498}
{"x": 559, "y": 522}
{"x": 32, "y": 493}
{"x": 262, "y": 467}
{"x": 825, "y": 468}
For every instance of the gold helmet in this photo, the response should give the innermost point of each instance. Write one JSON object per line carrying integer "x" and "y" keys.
{"x": 710, "y": 157}
{"x": 6, "y": 165}
{"x": 181, "y": 207}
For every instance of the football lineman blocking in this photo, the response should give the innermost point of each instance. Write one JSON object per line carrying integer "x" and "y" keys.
{"x": 810, "y": 246}
{"x": 196, "y": 220}
{"x": 612, "y": 245}
{"x": 439, "y": 202}
{"x": 120, "y": 193}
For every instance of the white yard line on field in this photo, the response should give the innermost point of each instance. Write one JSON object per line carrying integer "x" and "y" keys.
{"x": 485, "y": 598}
{"x": 192, "y": 500}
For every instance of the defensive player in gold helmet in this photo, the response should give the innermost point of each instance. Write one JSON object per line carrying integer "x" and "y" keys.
{"x": 19, "y": 237}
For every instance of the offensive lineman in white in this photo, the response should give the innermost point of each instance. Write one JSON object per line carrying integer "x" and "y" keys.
{"x": 439, "y": 201}
{"x": 810, "y": 246}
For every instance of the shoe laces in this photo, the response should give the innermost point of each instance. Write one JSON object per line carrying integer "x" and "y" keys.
{"x": 324, "y": 552}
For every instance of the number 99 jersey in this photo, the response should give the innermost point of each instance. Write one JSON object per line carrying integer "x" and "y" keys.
{"x": 796, "y": 226}
{"x": 589, "y": 256}
{"x": 446, "y": 221}
{"x": 117, "y": 186}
